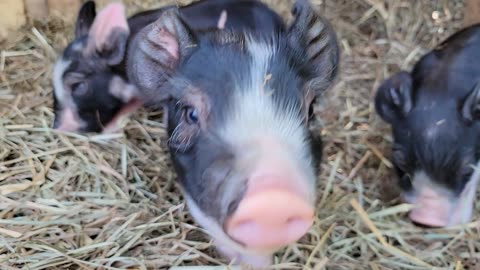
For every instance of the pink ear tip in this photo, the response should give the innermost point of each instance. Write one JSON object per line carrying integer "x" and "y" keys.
{"x": 110, "y": 17}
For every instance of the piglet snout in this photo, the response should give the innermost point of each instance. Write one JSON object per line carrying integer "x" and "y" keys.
{"x": 271, "y": 215}
{"x": 431, "y": 209}
{"x": 67, "y": 122}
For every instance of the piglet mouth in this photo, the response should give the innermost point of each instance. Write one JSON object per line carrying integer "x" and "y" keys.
{"x": 431, "y": 212}
{"x": 130, "y": 107}
{"x": 434, "y": 210}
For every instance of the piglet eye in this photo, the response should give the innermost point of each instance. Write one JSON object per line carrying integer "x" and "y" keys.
{"x": 79, "y": 88}
{"x": 191, "y": 115}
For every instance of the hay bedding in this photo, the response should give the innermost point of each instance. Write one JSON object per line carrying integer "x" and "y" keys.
{"x": 110, "y": 202}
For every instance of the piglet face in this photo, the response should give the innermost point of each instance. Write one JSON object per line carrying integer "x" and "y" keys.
{"x": 237, "y": 106}
{"x": 434, "y": 156}
{"x": 89, "y": 92}
{"x": 433, "y": 112}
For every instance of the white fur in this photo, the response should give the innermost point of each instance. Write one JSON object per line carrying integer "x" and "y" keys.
{"x": 461, "y": 207}
{"x": 122, "y": 90}
{"x": 69, "y": 118}
{"x": 255, "y": 115}
{"x": 422, "y": 180}
{"x": 58, "y": 71}
{"x": 222, "y": 20}
{"x": 77, "y": 46}
{"x": 467, "y": 197}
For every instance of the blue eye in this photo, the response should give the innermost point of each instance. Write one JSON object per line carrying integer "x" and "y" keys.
{"x": 191, "y": 115}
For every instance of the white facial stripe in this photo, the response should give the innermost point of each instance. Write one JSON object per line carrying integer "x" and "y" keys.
{"x": 58, "y": 72}
{"x": 222, "y": 20}
{"x": 467, "y": 198}
{"x": 421, "y": 180}
{"x": 254, "y": 114}
{"x": 462, "y": 207}
{"x": 122, "y": 90}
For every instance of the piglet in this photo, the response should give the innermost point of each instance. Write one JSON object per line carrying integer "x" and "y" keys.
{"x": 90, "y": 87}
{"x": 434, "y": 112}
{"x": 238, "y": 103}
{"x": 91, "y": 90}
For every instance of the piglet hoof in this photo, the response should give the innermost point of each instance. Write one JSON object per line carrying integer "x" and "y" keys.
{"x": 246, "y": 261}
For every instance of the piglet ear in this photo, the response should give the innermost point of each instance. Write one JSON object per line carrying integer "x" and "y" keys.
{"x": 85, "y": 19}
{"x": 393, "y": 100}
{"x": 109, "y": 33}
{"x": 471, "y": 105}
{"x": 156, "y": 52}
{"x": 313, "y": 37}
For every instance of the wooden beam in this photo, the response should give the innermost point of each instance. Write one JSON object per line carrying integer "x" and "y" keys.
{"x": 472, "y": 12}
{"x": 37, "y": 10}
{"x": 12, "y": 17}
{"x": 65, "y": 9}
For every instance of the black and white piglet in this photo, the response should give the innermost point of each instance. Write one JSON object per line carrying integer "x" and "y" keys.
{"x": 434, "y": 111}
{"x": 91, "y": 91}
{"x": 238, "y": 105}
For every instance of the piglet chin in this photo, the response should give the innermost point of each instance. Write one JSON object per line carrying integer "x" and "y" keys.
{"x": 257, "y": 261}
{"x": 114, "y": 125}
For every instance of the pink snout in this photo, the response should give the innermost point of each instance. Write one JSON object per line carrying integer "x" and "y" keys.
{"x": 270, "y": 216}
{"x": 68, "y": 122}
{"x": 431, "y": 209}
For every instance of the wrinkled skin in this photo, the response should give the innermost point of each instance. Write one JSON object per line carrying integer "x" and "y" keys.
{"x": 237, "y": 103}
{"x": 434, "y": 111}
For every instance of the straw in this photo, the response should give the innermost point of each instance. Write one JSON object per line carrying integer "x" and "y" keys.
{"x": 70, "y": 201}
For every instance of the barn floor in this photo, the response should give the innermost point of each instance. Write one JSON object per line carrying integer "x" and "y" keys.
{"x": 110, "y": 202}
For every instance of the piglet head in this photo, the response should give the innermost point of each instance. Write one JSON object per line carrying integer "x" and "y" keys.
{"x": 236, "y": 104}
{"x": 434, "y": 112}
{"x": 90, "y": 92}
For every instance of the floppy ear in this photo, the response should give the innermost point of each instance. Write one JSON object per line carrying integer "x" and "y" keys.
{"x": 109, "y": 33}
{"x": 393, "y": 100}
{"x": 313, "y": 37}
{"x": 156, "y": 52}
{"x": 471, "y": 106}
{"x": 86, "y": 15}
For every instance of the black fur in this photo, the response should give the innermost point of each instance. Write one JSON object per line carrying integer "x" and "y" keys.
{"x": 426, "y": 109}
{"x": 100, "y": 106}
{"x": 211, "y": 68}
